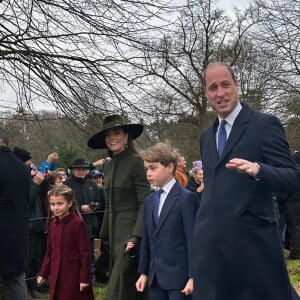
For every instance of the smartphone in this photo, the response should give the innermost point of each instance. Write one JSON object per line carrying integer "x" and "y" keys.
{"x": 46, "y": 171}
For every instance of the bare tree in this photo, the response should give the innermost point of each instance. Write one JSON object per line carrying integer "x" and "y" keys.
{"x": 277, "y": 31}
{"x": 68, "y": 52}
{"x": 277, "y": 34}
{"x": 174, "y": 65}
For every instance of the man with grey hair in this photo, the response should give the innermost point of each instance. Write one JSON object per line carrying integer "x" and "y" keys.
{"x": 14, "y": 214}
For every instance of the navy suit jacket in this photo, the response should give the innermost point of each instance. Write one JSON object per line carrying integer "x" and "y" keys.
{"x": 237, "y": 251}
{"x": 166, "y": 249}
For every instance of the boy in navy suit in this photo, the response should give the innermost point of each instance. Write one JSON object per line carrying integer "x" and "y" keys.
{"x": 169, "y": 213}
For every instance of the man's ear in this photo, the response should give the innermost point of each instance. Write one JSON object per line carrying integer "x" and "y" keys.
{"x": 171, "y": 166}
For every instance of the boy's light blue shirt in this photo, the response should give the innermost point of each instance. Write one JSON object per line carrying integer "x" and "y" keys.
{"x": 167, "y": 188}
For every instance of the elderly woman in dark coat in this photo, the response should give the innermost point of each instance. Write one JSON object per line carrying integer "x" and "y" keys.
{"x": 195, "y": 183}
{"x": 125, "y": 187}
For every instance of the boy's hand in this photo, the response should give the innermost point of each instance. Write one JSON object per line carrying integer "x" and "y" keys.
{"x": 189, "y": 287}
{"x": 141, "y": 283}
{"x": 40, "y": 280}
{"x": 83, "y": 286}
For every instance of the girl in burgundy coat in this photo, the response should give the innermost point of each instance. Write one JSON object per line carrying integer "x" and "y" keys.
{"x": 67, "y": 260}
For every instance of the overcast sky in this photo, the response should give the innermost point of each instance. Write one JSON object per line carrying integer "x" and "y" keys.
{"x": 229, "y": 4}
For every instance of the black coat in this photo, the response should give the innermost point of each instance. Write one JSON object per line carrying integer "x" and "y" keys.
{"x": 37, "y": 221}
{"x": 238, "y": 252}
{"x": 86, "y": 191}
{"x": 15, "y": 183}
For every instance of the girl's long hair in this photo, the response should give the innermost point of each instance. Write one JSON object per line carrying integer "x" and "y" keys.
{"x": 67, "y": 193}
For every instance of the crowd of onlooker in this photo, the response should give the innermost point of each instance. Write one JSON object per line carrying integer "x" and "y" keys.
{"x": 86, "y": 180}
{"x": 87, "y": 184}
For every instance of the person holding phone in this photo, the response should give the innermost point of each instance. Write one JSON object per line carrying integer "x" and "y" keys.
{"x": 49, "y": 163}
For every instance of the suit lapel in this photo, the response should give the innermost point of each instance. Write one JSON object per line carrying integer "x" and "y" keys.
{"x": 168, "y": 204}
{"x": 152, "y": 211}
{"x": 209, "y": 145}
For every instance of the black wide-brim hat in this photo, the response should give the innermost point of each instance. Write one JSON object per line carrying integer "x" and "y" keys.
{"x": 97, "y": 141}
{"x": 78, "y": 163}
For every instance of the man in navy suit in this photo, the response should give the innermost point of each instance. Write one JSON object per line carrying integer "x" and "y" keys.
{"x": 169, "y": 214}
{"x": 237, "y": 251}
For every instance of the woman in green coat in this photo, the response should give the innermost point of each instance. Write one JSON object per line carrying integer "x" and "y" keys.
{"x": 125, "y": 187}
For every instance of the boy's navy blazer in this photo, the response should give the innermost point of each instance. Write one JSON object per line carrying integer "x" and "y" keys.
{"x": 166, "y": 248}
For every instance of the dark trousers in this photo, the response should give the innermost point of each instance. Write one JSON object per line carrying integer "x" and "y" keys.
{"x": 35, "y": 258}
{"x": 14, "y": 287}
{"x": 157, "y": 293}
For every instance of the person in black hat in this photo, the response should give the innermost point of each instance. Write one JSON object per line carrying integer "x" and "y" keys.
{"x": 36, "y": 225}
{"x": 88, "y": 199}
{"x": 23, "y": 155}
{"x": 125, "y": 187}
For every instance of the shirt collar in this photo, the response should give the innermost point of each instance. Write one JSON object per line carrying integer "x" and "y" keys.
{"x": 167, "y": 188}
{"x": 232, "y": 116}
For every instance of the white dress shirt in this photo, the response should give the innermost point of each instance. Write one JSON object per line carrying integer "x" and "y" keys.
{"x": 229, "y": 121}
{"x": 167, "y": 188}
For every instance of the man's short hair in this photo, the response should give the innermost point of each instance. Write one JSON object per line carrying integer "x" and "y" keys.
{"x": 218, "y": 63}
{"x": 4, "y": 136}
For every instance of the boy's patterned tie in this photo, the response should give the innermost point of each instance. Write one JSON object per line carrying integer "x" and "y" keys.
{"x": 156, "y": 200}
{"x": 222, "y": 137}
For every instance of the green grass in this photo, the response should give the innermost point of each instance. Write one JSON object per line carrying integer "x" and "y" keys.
{"x": 99, "y": 291}
{"x": 292, "y": 265}
{"x": 294, "y": 271}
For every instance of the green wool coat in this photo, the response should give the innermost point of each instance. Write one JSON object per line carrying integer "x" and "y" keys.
{"x": 125, "y": 187}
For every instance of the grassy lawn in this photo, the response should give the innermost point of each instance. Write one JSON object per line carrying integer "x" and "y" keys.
{"x": 294, "y": 272}
{"x": 99, "y": 291}
{"x": 292, "y": 265}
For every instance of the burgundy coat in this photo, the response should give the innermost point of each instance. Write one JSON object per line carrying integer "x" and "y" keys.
{"x": 67, "y": 259}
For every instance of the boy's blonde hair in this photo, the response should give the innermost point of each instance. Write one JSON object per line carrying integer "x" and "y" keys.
{"x": 161, "y": 153}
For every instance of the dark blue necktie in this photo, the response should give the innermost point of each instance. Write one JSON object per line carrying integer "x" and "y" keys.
{"x": 156, "y": 200}
{"x": 222, "y": 137}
